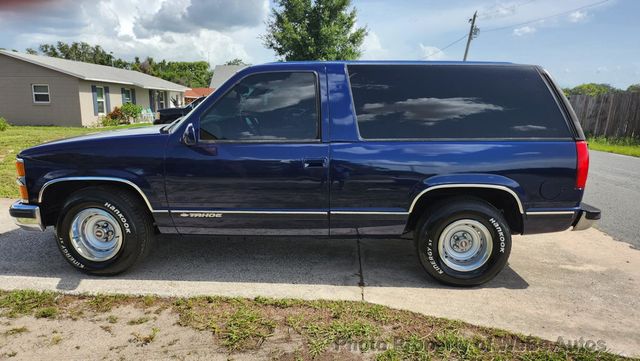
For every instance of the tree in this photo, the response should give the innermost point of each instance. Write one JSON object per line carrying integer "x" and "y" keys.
{"x": 191, "y": 74}
{"x": 634, "y": 88}
{"x": 236, "y": 61}
{"x": 314, "y": 30}
{"x": 593, "y": 89}
{"x": 81, "y": 52}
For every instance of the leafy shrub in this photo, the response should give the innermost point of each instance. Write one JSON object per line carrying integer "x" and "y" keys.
{"x": 109, "y": 122}
{"x": 3, "y": 124}
{"x": 131, "y": 111}
{"x": 117, "y": 114}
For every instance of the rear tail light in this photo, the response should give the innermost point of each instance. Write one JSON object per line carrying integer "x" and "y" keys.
{"x": 22, "y": 187}
{"x": 583, "y": 164}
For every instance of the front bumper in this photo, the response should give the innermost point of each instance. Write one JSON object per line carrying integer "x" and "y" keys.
{"x": 586, "y": 217}
{"x": 26, "y": 216}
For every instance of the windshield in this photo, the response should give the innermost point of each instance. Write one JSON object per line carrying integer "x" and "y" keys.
{"x": 167, "y": 128}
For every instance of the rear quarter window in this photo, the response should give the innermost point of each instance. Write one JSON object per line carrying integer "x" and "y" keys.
{"x": 454, "y": 102}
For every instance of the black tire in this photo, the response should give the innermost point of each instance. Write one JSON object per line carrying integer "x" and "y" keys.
{"x": 132, "y": 216}
{"x": 435, "y": 221}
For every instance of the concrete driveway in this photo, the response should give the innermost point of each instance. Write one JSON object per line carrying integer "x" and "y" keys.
{"x": 572, "y": 284}
{"x": 613, "y": 187}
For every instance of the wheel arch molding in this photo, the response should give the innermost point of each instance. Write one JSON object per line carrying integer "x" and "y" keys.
{"x": 502, "y": 192}
{"x": 92, "y": 180}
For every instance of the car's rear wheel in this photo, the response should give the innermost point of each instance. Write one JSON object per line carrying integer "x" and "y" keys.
{"x": 463, "y": 242}
{"x": 104, "y": 231}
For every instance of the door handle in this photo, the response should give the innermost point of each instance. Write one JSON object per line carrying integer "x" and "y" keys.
{"x": 314, "y": 163}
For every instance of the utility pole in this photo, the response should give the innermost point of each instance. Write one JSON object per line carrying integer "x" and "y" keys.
{"x": 473, "y": 32}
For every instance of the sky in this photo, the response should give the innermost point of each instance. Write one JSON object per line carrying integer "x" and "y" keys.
{"x": 578, "y": 41}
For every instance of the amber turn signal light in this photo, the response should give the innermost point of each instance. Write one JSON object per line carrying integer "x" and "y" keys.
{"x": 20, "y": 168}
{"x": 22, "y": 187}
{"x": 24, "y": 195}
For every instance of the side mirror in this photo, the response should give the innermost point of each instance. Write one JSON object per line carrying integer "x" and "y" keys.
{"x": 189, "y": 136}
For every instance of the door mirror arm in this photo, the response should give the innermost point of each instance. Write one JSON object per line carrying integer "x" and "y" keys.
{"x": 189, "y": 135}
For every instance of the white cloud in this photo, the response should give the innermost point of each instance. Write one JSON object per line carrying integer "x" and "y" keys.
{"x": 171, "y": 29}
{"x": 524, "y": 30}
{"x": 372, "y": 48}
{"x": 184, "y": 16}
{"x": 577, "y": 16}
{"x": 431, "y": 53}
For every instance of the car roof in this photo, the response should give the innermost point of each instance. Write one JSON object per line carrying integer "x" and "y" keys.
{"x": 394, "y": 62}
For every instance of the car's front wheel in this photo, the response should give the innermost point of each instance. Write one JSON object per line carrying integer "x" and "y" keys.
{"x": 463, "y": 242}
{"x": 104, "y": 231}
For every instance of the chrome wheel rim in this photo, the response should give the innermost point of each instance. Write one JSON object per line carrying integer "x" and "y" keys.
{"x": 465, "y": 245}
{"x": 95, "y": 234}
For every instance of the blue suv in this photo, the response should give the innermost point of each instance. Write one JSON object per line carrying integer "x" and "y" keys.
{"x": 454, "y": 156}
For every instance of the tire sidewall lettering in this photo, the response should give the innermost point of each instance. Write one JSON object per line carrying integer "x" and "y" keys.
{"x": 68, "y": 255}
{"x": 431, "y": 256}
{"x": 120, "y": 215}
{"x": 500, "y": 230}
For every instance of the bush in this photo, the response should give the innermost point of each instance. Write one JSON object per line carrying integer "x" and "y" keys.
{"x": 106, "y": 121}
{"x": 117, "y": 114}
{"x": 131, "y": 111}
{"x": 3, "y": 124}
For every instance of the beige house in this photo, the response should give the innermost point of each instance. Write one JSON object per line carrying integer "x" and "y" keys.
{"x": 41, "y": 90}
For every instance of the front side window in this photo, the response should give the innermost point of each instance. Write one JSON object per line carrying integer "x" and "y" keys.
{"x": 126, "y": 96}
{"x": 453, "y": 102}
{"x": 278, "y": 106}
{"x": 100, "y": 101}
{"x": 41, "y": 93}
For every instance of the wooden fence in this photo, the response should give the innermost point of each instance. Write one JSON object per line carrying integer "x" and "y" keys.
{"x": 609, "y": 115}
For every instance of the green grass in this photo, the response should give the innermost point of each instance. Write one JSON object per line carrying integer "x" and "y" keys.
{"x": 626, "y": 146}
{"x": 27, "y": 302}
{"x": 245, "y": 328}
{"x": 17, "y": 138}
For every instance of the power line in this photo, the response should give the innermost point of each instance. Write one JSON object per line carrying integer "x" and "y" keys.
{"x": 448, "y": 46}
{"x": 546, "y": 17}
{"x": 519, "y": 24}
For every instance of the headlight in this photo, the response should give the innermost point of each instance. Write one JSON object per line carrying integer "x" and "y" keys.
{"x": 22, "y": 185}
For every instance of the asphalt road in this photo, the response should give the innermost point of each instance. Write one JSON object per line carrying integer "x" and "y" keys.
{"x": 614, "y": 187}
{"x": 571, "y": 284}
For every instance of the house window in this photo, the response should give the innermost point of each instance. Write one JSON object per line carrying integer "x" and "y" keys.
{"x": 40, "y": 93}
{"x": 126, "y": 96}
{"x": 161, "y": 102}
{"x": 100, "y": 101}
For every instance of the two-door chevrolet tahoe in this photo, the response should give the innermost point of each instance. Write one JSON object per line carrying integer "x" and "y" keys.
{"x": 456, "y": 156}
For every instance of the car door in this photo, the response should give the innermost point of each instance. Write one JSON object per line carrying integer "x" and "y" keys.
{"x": 259, "y": 164}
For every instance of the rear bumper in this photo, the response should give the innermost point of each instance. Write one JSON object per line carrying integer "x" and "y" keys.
{"x": 586, "y": 217}
{"x": 548, "y": 220}
{"x": 26, "y": 216}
